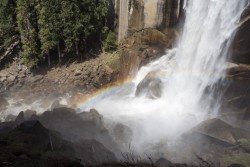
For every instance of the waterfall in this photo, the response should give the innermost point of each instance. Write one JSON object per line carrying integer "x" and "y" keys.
{"x": 188, "y": 74}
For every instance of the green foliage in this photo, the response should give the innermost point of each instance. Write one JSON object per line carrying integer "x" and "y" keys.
{"x": 7, "y": 22}
{"x": 110, "y": 43}
{"x": 27, "y": 21}
{"x": 47, "y": 27}
{"x": 81, "y": 20}
{"x": 50, "y": 26}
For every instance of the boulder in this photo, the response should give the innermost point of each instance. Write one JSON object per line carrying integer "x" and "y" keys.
{"x": 213, "y": 140}
{"x": 76, "y": 127}
{"x": 162, "y": 162}
{"x": 221, "y": 131}
{"x": 28, "y": 114}
{"x": 123, "y": 135}
{"x": 92, "y": 116}
{"x": 32, "y": 143}
{"x": 151, "y": 86}
{"x": 20, "y": 118}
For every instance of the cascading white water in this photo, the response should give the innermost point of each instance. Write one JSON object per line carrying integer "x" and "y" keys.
{"x": 196, "y": 64}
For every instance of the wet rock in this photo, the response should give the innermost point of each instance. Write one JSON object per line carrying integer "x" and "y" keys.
{"x": 235, "y": 102}
{"x": 150, "y": 86}
{"x": 10, "y": 118}
{"x": 236, "y": 165}
{"x": 123, "y": 135}
{"x": 241, "y": 43}
{"x": 36, "y": 144}
{"x": 162, "y": 162}
{"x": 77, "y": 127}
{"x": 3, "y": 103}
{"x": 221, "y": 131}
{"x": 56, "y": 104}
{"x": 28, "y": 114}
{"x": 20, "y": 118}
{"x": 213, "y": 140}
{"x": 244, "y": 143}
{"x": 92, "y": 116}
{"x": 92, "y": 151}
{"x": 32, "y": 127}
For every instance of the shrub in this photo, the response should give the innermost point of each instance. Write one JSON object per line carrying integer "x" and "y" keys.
{"x": 110, "y": 43}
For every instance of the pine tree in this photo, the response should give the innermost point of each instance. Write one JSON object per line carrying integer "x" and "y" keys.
{"x": 27, "y": 19}
{"x": 50, "y": 27}
{"x": 8, "y": 33}
{"x": 82, "y": 20}
{"x": 44, "y": 27}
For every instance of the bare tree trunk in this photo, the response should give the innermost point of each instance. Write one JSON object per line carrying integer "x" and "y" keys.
{"x": 84, "y": 48}
{"x": 77, "y": 50}
{"x": 59, "y": 54}
{"x": 49, "y": 60}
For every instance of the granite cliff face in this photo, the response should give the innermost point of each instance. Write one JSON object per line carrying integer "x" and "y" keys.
{"x": 241, "y": 45}
{"x": 135, "y": 15}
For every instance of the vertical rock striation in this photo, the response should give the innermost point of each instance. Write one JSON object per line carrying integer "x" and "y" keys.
{"x": 135, "y": 15}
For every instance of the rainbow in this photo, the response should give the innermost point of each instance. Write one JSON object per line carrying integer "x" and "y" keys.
{"x": 85, "y": 102}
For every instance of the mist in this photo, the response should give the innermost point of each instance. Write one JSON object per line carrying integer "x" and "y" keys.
{"x": 171, "y": 95}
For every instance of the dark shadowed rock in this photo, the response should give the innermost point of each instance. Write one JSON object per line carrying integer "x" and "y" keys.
{"x": 88, "y": 148}
{"x": 162, "y": 162}
{"x": 214, "y": 140}
{"x": 77, "y": 127}
{"x": 123, "y": 135}
{"x": 236, "y": 165}
{"x": 221, "y": 131}
{"x": 10, "y": 118}
{"x": 31, "y": 143}
{"x": 28, "y": 114}
{"x": 241, "y": 43}
{"x": 20, "y": 117}
{"x": 92, "y": 116}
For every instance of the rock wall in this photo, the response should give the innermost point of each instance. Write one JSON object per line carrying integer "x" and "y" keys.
{"x": 135, "y": 15}
{"x": 241, "y": 43}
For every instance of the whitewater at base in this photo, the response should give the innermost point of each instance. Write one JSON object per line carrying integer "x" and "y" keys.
{"x": 186, "y": 75}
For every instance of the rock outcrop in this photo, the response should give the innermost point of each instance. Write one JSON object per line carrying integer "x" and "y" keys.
{"x": 216, "y": 141}
{"x": 235, "y": 102}
{"x": 241, "y": 43}
{"x": 135, "y": 15}
{"x": 143, "y": 47}
{"x": 31, "y": 143}
{"x": 77, "y": 127}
